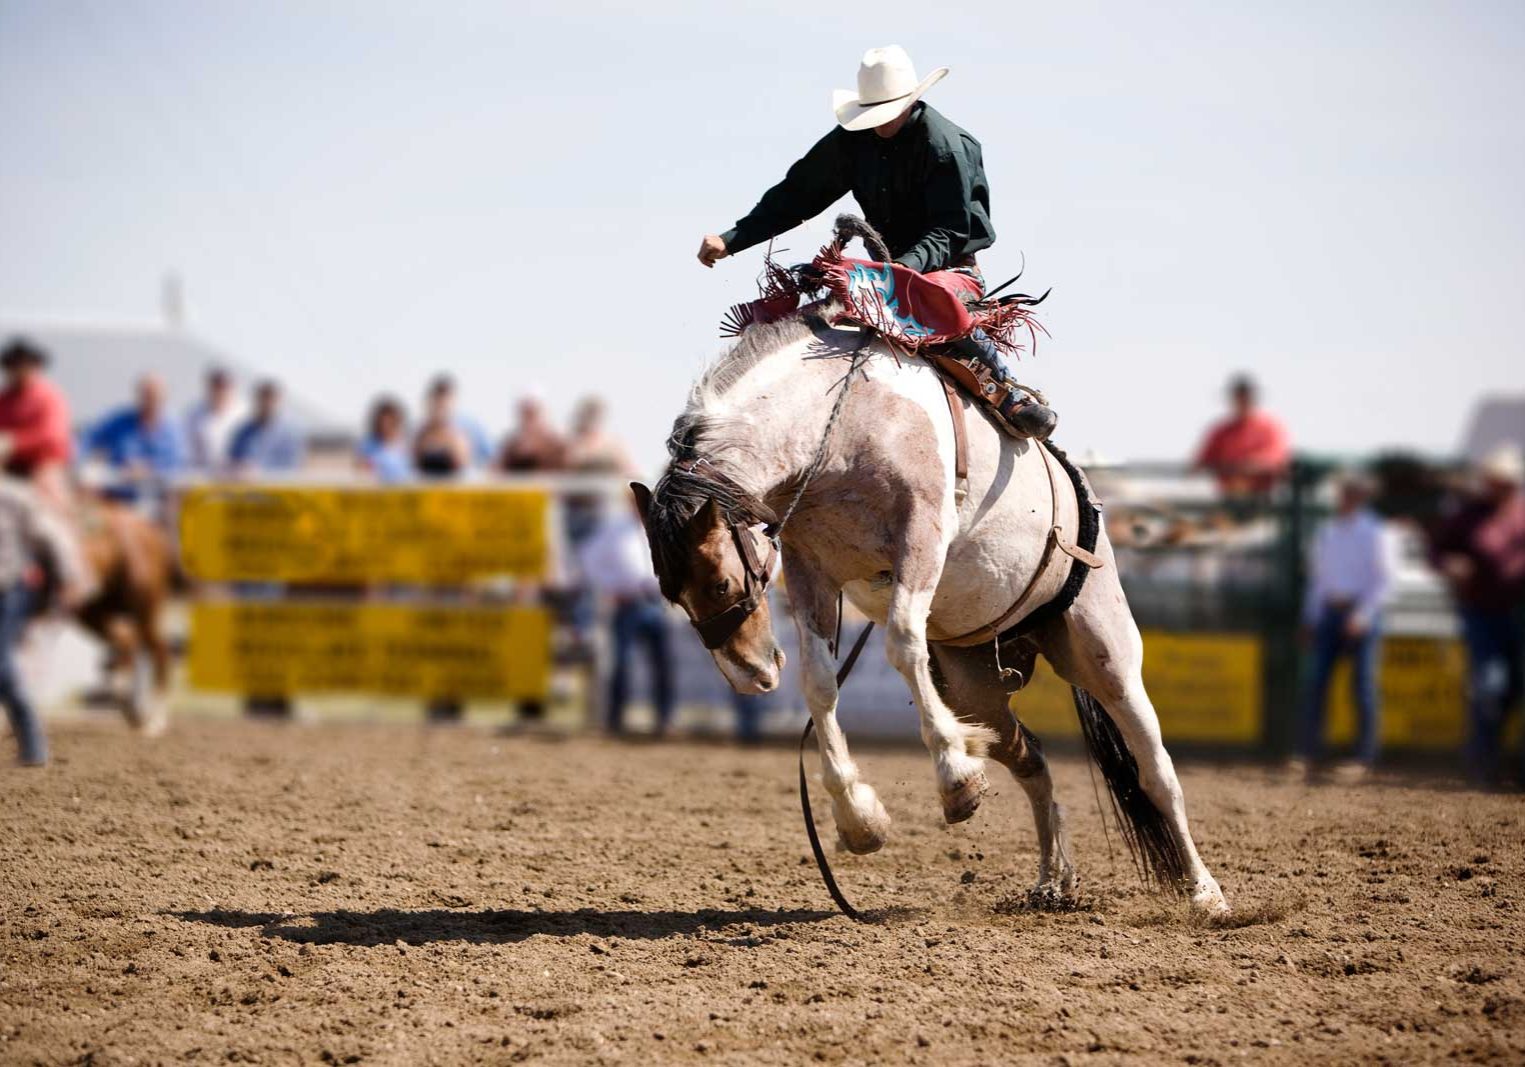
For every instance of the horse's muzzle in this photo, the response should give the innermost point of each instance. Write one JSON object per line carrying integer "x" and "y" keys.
{"x": 749, "y": 679}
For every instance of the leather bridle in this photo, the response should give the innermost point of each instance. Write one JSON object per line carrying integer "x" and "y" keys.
{"x": 715, "y": 630}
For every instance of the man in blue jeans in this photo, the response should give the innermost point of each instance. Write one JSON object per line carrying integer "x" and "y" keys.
{"x": 616, "y": 563}
{"x": 1481, "y": 552}
{"x": 29, "y": 532}
{"x": 1351, "y": 569}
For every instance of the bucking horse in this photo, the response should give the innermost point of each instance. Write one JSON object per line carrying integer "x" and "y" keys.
{"x": 849, "y": 457}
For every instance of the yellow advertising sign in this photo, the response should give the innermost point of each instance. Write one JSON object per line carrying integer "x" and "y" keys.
{"x": 1422, "y": 687}
{"x": 470, "y": 651}
{"x": 422, "y": 534}
{"x": 1205, "y": 688}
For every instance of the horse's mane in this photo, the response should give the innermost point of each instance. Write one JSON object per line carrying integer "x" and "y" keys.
{"x": 757, "y": 343}
{"x": 702, "y": 434}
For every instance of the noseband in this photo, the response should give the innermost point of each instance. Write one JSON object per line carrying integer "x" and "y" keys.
{"x": 715, "y": 630}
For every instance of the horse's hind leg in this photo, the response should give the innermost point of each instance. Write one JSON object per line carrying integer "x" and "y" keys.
{"x": 1097, "y": 647}
{"x": 969, "y": 682}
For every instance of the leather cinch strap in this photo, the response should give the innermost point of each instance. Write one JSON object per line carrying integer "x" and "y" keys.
{"x": 1056, "y": 542}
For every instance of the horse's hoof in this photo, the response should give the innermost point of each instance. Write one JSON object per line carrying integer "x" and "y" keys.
{"x": 1208, "y": 899}
{"x": 961, "y": 804}
{"x": 865, "y": 826}
{"x": 862, "y": 842}
{"x": 149, "y": 721}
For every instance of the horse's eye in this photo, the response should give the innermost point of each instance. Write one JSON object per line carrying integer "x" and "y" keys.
{"x": 722, "y": 587}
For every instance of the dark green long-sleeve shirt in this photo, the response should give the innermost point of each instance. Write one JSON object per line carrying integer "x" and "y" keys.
{"x": 924, "y": 190}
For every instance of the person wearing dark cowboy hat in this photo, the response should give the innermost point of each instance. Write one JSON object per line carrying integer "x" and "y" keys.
{"x": 920, "y": 181}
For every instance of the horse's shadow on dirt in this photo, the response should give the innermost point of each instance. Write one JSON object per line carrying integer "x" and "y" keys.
{"x": 387, "y": 926}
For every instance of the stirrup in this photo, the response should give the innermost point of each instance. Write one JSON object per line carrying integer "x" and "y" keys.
{"x": 1013, "y": 387}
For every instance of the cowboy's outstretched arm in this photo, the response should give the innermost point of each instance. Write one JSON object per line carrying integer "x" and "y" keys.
{"x": 810, "y": 187}
{"x": 949, "y": 190}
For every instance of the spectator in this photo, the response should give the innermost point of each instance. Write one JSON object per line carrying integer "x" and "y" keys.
{"x": 36, "y": 442}
{"x": 441, "y": 448}
{"x": 211, "y": 423}
{"x": 442, "y": 391}
{"x": 1249, "y": 451}
{"x": 533, "y": 445}
{"x": 140, "y": 442}
{"x": 266, "y": 441}
{"x": 1351, "y": 573}
{"x": 28, "y": 532}
{"x": 591, "y": 447}
{"x": 384, "y": 453}
{"x": 1481, "y": 553}
{"x": 616, "y": 563}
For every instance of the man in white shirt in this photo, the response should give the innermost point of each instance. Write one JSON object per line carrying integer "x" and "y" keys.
{"x": 1350, "y": 578}
{"x": 210, "y": 423}
{"x": 616, "y": 563}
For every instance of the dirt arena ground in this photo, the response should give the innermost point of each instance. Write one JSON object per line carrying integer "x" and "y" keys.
{"x": 350, "y": 894}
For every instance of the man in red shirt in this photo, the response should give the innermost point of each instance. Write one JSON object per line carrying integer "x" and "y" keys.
{"x": 35, "y": 438}
{"x": 1249, "y": 451}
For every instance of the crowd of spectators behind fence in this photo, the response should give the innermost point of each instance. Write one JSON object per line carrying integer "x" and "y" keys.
{"x": 221, "y": 435}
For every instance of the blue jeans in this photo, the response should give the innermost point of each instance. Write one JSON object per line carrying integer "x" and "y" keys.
{"x": 641, "y": 622}
{"x": 25, "y": 724}
{"x": 1495, "y": 682}
{"x": 1330, "y": 643}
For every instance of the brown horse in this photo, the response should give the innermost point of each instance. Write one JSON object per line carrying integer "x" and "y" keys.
{"x": 133, "y": 562}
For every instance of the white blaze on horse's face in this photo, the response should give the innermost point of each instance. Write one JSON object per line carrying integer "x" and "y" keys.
{"x": 750, "y": 658}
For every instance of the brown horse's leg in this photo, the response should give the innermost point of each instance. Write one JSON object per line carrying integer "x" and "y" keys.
{"x": 152, "y": 712}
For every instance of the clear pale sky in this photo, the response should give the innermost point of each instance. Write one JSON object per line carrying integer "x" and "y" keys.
{"x": 1331, "y": 195}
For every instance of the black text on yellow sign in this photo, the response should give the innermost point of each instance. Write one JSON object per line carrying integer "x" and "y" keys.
{"x": 1209, "y": 689}
{"x": 469, "y": 651}
{"x": 430, "y": 535}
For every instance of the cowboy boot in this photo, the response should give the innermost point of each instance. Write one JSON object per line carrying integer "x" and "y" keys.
{"x": 1023, "y": 409}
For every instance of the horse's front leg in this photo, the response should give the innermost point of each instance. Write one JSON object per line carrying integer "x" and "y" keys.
{"x": 957, "y": 747}
{"x": 861, "y": 819}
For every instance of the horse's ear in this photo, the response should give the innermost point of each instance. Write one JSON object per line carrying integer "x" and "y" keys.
{"x": 642, "y": 499}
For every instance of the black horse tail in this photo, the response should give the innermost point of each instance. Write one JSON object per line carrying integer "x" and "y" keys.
{"x": 1155, "y": 851}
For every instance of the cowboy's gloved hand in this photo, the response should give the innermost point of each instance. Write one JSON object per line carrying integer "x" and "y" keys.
{"x": 711, "y": 250}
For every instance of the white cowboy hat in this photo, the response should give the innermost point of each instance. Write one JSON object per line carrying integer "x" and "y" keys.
{"x": 887, "y": 87}
{"x": 1504, "y": 464}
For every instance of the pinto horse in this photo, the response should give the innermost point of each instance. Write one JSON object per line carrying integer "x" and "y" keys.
{"x": 878, "y": 514}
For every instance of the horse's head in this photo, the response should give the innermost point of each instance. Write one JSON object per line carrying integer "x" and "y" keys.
{"x": 714, "y": 559}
